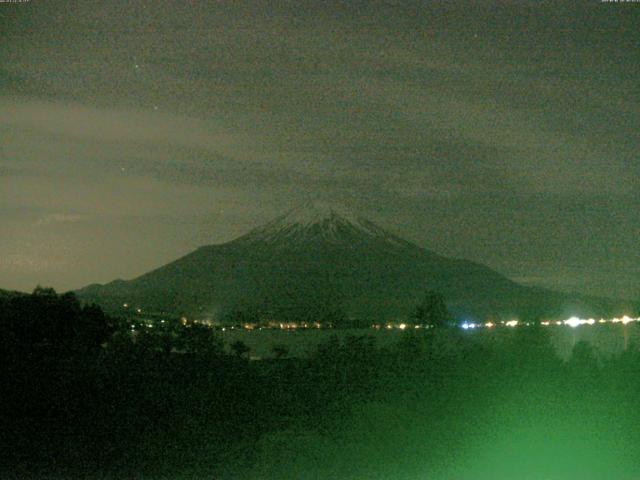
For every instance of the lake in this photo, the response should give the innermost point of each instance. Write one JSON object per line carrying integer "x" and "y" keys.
{"x": 608, "y": 339}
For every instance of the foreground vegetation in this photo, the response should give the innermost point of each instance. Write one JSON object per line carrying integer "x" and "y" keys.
{"x": 84, "y": 398}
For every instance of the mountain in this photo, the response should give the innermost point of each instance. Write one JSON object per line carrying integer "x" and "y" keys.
{"x": 317, "y": 261}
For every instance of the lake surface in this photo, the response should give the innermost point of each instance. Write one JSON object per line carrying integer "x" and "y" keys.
{"x": 608, "y": 339}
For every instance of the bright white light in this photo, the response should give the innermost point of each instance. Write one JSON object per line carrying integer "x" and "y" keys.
{"x": 488, "y": 324}
{"x": 573, "y": 322}
{"x": 402, "y": 326}
{"x": 591, "y": 321}
{"x": 626, "y": 320}
{"x": 512, "y": 323}
{"x": 545, "y": 324}
{"x": 465, "y": 325}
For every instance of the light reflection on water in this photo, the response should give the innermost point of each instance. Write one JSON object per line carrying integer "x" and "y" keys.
{"x": 607, "y": 339}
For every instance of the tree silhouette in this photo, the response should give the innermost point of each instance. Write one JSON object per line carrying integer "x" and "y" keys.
{"x": 46, "y": 320}
{"x": 200, "y": 340}
{"x": 280, "y": 351}
{"x": 584, "y": 356}
{"x": 239, "y": 348}
{"x": 432, "y": 311}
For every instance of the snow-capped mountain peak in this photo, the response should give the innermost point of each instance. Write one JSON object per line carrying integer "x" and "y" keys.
{"x": 320, "y": 221}
{"x": 312, "y": 213}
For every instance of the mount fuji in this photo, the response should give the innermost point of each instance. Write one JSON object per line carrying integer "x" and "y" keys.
{"x": 317, "y": 259}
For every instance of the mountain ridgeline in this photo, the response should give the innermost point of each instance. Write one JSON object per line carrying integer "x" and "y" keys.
{"x": 316, "y": 263}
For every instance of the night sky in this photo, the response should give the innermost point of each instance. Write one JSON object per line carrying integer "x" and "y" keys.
{"x": 507, "y": 133}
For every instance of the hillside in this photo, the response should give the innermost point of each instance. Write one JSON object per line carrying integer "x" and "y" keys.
{"x": 315, "y": 260}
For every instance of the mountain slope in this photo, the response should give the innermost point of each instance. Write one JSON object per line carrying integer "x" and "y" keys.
{"x": 315, "y": 259}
